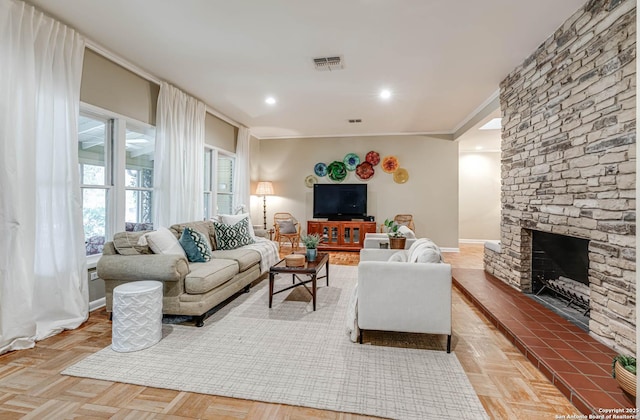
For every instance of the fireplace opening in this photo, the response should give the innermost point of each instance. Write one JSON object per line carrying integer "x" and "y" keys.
{"x": 560, "y": 275}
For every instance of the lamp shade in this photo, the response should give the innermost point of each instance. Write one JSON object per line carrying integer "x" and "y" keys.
{"x": 264, "y": 188}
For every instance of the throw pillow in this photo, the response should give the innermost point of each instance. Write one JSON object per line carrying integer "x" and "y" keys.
{"x": 408, "y": 233}
{"x": 162, "y": 241}
{"x": 428, "y": 255}
{"x": 233, "y": 236}
{"x": 232, "y": 219}
{"x": 205, "y": 227}
{"x": 195, "y": 245}
{"x": 400, "y": 256}
{"x": 287, "y": 226}
{"x": 131, "y": 243}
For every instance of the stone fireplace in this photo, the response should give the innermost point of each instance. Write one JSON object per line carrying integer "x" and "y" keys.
{"x": 568, "y": 161}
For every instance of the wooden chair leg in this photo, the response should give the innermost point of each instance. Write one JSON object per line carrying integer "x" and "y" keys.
{"x": 449, "y": 343}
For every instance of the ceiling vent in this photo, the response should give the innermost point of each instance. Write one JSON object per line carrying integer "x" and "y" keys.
{"x": 355, "y": 121}
{"x": 328, "y": 63}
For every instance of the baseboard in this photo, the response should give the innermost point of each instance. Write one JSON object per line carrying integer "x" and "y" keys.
{"x": 476, "y": 241}
{"x": 97, "y": 304}
{"x": 450, "y": 249}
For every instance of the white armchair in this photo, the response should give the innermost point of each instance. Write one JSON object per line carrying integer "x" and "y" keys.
{"x": 403, "y": 296}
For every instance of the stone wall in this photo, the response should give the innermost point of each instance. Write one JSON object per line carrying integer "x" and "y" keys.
{"x": 568, "y": 158}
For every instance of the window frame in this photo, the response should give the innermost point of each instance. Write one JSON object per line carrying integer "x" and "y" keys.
{"x": 115, "y": 154}
{"x": 213, "y": 192}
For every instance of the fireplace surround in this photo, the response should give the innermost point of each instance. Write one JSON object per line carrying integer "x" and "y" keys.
{"x": 568, "y": 161}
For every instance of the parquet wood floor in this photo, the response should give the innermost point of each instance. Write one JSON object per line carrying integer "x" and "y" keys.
{"x": 31, "y": 385}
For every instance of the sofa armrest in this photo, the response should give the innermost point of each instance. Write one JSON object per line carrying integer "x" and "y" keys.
{"x": 143, "y": 267}
{"x": 407, "y": 297}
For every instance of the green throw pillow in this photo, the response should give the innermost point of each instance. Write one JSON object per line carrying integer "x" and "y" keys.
{"x": 195, "y": 245}
{"x": 233, "y": 236}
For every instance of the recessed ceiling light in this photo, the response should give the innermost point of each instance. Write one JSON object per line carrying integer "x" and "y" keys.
{"x": 494, "y": 124}
{"x": 385, "y": 93}
{"x": 478, "y": 147}
{"x": 270, "y": 100}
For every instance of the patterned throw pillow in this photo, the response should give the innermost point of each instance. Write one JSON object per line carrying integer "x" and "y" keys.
{"x": 195, "y": 245}
{"x": 233, "y": 236}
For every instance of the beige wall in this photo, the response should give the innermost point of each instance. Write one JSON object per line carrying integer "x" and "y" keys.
{"x": 479, "y": 195}
{"x": 219, "y": 133}
{"x": 431, "y": 194}
{"x": 112, "y": 87}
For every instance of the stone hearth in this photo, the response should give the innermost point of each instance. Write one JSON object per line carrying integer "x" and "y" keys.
{"x": 568, "y": 160}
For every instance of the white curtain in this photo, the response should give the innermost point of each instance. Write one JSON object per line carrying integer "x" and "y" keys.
{"x": 43, "y": 275}
{"x": 242, "y": 176}
{"x": 179, "y": 164}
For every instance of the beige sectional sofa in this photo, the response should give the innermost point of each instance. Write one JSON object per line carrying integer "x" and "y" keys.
{"x": 190, "y": 288}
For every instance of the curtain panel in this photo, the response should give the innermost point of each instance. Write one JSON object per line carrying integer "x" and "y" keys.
{"x": 242, "y": 175}
{"x": 179, "y": 165}
{"x": 43, "y": 274}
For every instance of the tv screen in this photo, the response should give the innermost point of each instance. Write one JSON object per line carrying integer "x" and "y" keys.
{"x": 339, "y": 201}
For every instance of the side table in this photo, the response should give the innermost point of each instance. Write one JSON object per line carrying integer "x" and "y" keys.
{"x": 137, "y": 316}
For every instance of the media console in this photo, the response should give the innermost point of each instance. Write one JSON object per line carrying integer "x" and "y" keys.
{"x": 341, "y": 236}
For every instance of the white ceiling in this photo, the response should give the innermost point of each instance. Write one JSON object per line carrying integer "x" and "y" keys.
{"x": 441, "y": 59}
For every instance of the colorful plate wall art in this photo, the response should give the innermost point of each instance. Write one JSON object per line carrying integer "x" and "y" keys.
{"x": 400, "y": 176}
{"x": 351, "y": 160}
{"x": 310, "y": 180}
{"x": 373, "y": 158}
{"x": 390, "y": 164}
{"x": 364, "y": 171}
{"x": 337, "y": 171}
{"x": 320, "y": 169}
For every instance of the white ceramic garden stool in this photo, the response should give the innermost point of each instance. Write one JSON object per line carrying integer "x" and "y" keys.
{"x": 137, "y": 316}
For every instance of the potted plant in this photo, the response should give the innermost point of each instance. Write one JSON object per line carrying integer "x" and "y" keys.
{"x": 397, "y": 239}
{"x": 624, "y": 371}
{"x": 311, "y": 243}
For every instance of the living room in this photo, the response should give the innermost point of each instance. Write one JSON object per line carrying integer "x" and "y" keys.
{"x": 426, "y": 142}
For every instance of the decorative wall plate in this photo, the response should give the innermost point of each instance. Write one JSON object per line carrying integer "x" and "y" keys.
{"x": 365, "y": 171}
{"x": 320, "y": 169}
{"x": 401, "y": 176}
{"x": 351, "y": 160}
{"x": 337, "y": 171}
{"x": 310, "y": 180}
{"x": 373, "y": 158}
{"x": 390, "y": 164}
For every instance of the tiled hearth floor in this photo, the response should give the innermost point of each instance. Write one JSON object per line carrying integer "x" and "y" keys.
{"x": 578, "y": 365}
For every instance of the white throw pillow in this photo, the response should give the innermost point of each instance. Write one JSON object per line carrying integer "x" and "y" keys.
{"x": 232, "y": 219}
{"x": 400, "y": 256}
{"x": 408, "y": 233}
{"x": 162, "y": 241}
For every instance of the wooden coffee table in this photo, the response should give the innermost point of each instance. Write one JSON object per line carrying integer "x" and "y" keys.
{"x": 310, "y": 269}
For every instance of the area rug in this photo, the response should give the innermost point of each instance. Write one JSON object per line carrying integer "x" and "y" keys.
{"x": 292, "y": 355}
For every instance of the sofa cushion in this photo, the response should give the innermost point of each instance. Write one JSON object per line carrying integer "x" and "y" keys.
{"x": 209, "y": 275}
{"x": 195, "y": 245}
{"x": 162, "y": 241}
{"x": 205, "y": 227}
{"x": 128, "y": 243}
{"x": 234, "y": 236}
{"x": 245, "y": 258}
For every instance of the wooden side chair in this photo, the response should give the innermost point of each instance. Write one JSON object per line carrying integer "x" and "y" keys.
{"x": 287, "y": 229}
{"x": 405, "y": 219}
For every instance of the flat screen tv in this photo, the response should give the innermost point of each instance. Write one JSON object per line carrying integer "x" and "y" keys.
{"x": 339, "y": 201}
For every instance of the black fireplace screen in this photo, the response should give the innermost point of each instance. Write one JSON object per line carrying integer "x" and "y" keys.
{"x": 555, "y": 256}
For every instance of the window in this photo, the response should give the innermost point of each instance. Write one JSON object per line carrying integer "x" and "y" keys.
{"x": 138, "y": 180}
{"x": 218, "y": 182}
{"x": 116, "y": 161}
{"x": 94, "y": 156}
